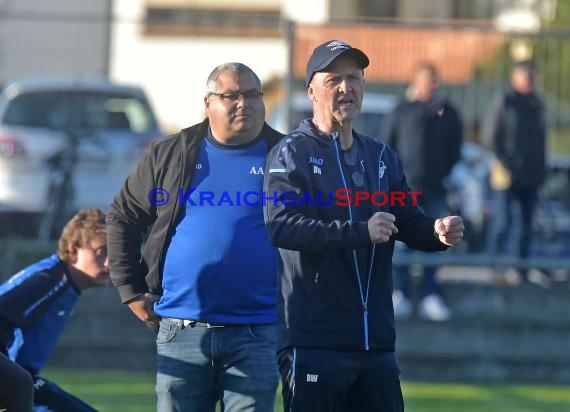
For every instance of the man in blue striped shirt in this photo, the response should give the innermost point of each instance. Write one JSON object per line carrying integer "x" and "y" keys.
{"x": 38, "y": 301}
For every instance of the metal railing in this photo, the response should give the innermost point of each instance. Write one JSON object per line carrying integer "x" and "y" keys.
{"x": 11, "y": 251}
{"x": 480, "y": 260}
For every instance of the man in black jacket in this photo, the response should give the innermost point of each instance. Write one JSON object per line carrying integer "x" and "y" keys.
{"x": 426, "y": 131}
{"x": 339, "y": 199}
{"x": 514, "y": 129}
{"x": 207, "y": 277}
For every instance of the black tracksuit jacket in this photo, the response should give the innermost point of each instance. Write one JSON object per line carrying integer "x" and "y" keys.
{"x": 323, "y": 297}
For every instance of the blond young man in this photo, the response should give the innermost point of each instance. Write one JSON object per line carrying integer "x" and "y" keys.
{"x": 37, "y": 303}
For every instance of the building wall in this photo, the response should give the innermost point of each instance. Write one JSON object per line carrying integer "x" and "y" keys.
{"x": 302, "y": 11}
{"x": 65, "y": 37}
{"x": 434, "y": 9}
{"x": 59, "y": 37}
{"x": 173, "y": 69}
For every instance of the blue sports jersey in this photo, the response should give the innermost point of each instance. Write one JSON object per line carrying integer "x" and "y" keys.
{"x": 220, "y": 266}
{"x": 36, "y": 304}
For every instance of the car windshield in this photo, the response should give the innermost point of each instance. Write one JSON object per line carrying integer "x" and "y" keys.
{"x": 80, "y": 110}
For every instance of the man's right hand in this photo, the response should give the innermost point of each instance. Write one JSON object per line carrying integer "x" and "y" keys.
{"x": 142, "y": 307}
{"x": 381, "y": 227}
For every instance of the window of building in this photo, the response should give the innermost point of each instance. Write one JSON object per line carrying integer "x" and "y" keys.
{"x": 212, "y": 22}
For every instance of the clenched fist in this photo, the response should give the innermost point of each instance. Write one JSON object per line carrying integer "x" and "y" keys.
{"x": 449, "y": 230}
{"x": 381, "y": 227}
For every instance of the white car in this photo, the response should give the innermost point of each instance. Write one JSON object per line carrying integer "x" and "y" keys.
{"x": 106, "y": 125}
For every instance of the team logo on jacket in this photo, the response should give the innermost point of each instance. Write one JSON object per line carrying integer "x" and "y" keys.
{"x": 381, "y": 169}
{"x": 317, "y": 162}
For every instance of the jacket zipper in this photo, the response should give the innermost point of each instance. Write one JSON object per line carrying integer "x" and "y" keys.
{"x": 363, "y": 297}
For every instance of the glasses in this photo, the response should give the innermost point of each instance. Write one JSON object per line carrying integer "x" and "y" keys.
{"x": 234, "y": 96}
{"x": 351, "y": 159}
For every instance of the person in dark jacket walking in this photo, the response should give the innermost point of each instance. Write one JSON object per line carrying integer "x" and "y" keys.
{"x": 206, "y": 280}
{"x": 37, "y": 303}
{"x": 426, "y": 131}
{"x": 514, "y": 129}
{"x": 338, "y": 201}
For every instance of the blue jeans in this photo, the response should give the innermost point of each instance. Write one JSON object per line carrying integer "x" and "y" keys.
{"x": 434, "y": 206}
{"x": 198, "y": 366}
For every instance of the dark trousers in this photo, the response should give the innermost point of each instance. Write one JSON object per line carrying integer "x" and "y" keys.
{"x": 434, "y": 206}
{"x": 50, "y": 397}
{"x": 16, "y": 387}
{"x": 503, "y": 222}
{"x": 324, "y": 380}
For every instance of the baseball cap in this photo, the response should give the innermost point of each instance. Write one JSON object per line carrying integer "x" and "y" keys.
{"x": 324, "y": 55}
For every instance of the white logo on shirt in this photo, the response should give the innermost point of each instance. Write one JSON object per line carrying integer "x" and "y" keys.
{"x": 312, "y": 377}
{"x": 256, "y": 170}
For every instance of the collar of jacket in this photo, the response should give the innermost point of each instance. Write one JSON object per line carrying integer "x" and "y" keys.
{"x": 531, "y": 99}
{"x": 329, "y": 139}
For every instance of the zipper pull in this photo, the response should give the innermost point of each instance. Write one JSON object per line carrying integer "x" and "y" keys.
{"x": 365, "y": 320}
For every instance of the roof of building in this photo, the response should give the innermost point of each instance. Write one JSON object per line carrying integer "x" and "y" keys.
{"x": 394, "y": 51}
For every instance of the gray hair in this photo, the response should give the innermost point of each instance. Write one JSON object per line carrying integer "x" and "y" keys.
{"x": 234, "y": 67}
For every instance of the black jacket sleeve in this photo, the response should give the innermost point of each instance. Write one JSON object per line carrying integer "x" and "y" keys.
{"x": 390, "y": 129}
{"x": 455, "y": 138}
{"x": 492, "y": 130}
{"x": 128, "y": 219}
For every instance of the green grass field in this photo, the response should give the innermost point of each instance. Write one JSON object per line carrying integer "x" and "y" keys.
{"x": 119, "y": 391}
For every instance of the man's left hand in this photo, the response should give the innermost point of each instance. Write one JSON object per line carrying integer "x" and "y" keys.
{"x": 449, "y": 230}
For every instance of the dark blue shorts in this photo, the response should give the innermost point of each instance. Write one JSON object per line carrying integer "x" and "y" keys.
{"x": 323, "y": 380}
{"x": 48, "y": 396}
